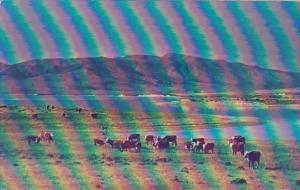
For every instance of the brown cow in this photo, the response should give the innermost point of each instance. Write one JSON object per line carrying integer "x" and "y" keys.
{"x": 239, "y": 147}
{"x": 98, "y": 142}
{"x": 46, "y": 136}
{"x": 150, "y": 139}
{"x": 129, "y": 145}
{"x": 253, "y": 157}
{"x": 161, "y": 144}
{"x": 208, "y": 147}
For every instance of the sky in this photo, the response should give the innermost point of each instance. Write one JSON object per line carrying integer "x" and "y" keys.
{"x": 266, "y": 34}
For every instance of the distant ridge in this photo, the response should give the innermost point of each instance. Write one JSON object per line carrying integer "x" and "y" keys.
{"x": 140, "y": 74}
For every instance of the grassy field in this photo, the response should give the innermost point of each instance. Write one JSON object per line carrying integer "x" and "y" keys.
{"x": 73, "y": 162}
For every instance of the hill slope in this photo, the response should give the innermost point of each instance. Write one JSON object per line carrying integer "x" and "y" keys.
{"x": 139, "y": 74}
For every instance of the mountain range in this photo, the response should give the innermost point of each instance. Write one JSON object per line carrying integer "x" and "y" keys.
{"x": 140, "y": 74}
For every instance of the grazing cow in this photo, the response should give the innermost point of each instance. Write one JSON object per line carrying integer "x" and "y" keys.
{"x": 200, "y": 140}
{"x": 171, "y": 139}
{"x": 150, "y": 139}
{"x": 46, "y": 136}
{"x": 34, "y": 116}
{"x": 252, "y": 157}
{"x": 129, "y": 145}
{"x": 98, "y": 142}
{"x": 162, "y": 144}
{"x": 94, "y": 115}
{"x": 33, "y": 138}
{"x": 197, "y": 146}
{"x": 78, "y": 110}
{"x": 188, "y": 146}
{"x": 208, "y": 147}
{"x": 239, "y": 147}
{"x": 115, "y": 143}
{"x": 134, "y": 137}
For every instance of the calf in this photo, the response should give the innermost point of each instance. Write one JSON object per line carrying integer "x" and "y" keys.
{"x": 33, "y": 138}
{"x": 208, "y": 147}
{"x": 253, "y": 157}
{"x": 150, "y": 139}
{"x": 98, "y": 142}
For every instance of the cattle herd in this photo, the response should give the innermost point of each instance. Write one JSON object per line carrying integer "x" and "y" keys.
{"x": 133, "y": 143}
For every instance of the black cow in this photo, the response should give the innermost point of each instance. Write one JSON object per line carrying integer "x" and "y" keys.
{"x": 33, "y": 138}
{"x": 134, "y": 137}
{"x": 252, "y": 157}
{"x": 170, "y": 139}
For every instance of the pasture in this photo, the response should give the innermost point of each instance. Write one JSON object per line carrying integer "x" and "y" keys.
{"x": 73, "y": 162}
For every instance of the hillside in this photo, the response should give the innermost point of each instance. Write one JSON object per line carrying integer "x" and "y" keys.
{"x": 139, "y": 74}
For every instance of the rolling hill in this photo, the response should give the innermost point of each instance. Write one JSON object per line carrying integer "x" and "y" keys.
{"x": 139, "y": 74}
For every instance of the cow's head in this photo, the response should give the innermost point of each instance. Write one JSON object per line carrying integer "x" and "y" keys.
{"x": 246, "y": 154}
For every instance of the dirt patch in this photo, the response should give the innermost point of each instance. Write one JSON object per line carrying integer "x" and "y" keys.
{"x": 273, "y": 168}
{"x": 163, "y": 160}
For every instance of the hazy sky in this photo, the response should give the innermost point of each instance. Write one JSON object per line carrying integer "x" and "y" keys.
{"x": 265, "y": 34}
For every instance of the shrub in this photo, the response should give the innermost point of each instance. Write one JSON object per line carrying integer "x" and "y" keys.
{"x": 239, "y": 181}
